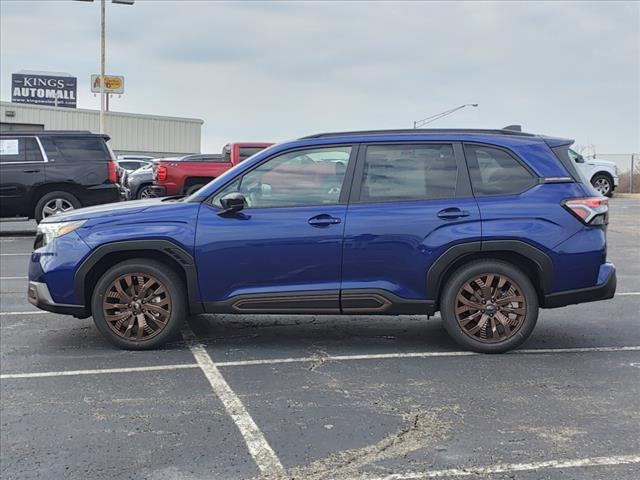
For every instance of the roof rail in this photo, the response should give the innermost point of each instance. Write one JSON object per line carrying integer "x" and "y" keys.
{"x": 423, "y": 131}
{"x": 48, "y": 132}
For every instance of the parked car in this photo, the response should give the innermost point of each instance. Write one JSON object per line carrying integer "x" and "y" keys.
{"x": 50, "y": 172}
{"x": 139, "y": 183}
{"x": 188, "y": 174}
{"x": 131, "y": 163}
{"x": 602, "y": 174}
{"x": 485, "y": 226}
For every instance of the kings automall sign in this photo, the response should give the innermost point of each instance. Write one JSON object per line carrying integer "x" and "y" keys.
{"x": 44, "y": 89}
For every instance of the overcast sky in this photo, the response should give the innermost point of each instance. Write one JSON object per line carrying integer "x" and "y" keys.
{"x": 273, "y": 71}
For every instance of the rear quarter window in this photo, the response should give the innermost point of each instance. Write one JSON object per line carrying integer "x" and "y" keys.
{"x": 82, "y": 149}
{"x": 496, "y": 172}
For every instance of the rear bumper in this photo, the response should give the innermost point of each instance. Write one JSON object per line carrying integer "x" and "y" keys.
{"x": 38, "y": 295}
{"x": 604, "y": 290}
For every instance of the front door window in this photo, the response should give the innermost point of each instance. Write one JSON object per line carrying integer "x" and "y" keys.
{"x": 294, "y": 179}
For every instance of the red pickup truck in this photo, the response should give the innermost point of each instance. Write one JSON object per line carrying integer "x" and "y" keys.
{"x": 185, "y": 175}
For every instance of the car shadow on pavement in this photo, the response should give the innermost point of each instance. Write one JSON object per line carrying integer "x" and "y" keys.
{"x": 400, "y": 333}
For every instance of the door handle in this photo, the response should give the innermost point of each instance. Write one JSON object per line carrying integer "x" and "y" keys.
{"x": 323, "y": 220}
{"x": 452, "y": 213}
{"x": 31, "y": 171}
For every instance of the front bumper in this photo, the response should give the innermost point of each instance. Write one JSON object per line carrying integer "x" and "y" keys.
{"x": 603, "y": 290}
{"x": 38, "y": 295}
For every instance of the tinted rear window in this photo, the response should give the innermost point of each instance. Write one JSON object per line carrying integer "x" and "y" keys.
{"x": 82, "y": 149}
{"x": 246, "y": 152}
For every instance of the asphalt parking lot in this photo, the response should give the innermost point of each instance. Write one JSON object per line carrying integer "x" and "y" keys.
{"x": 315, "y": 397}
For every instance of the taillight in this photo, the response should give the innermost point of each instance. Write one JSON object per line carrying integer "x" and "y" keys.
{"x": 161, "y": 173}
{"x": 590, "y": 210}
{"x": 113, "y": 171}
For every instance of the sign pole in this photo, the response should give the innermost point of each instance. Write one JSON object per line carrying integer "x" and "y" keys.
{"x": 102, "y": 63}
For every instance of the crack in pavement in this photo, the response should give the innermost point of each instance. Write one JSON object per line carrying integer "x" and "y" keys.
{"x": 422, "y": 430}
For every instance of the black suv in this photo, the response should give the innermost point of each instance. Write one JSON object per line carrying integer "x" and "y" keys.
{"x": 49, "y": 172}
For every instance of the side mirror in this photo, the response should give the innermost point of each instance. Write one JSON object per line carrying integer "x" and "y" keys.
{"x": 579, "y": 159}
{"x": 232, "y": 202}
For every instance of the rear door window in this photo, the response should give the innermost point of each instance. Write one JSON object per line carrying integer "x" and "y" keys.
{"x": 408, "y": 172}
{"x": 495, "y": 172}
{"x": 21, "y": 149}
{"x": 82, "y": 149}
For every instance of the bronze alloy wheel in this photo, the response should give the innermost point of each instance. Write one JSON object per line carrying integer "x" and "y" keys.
{"x": 137, "y": 306}
{"x": 490, "y": 308}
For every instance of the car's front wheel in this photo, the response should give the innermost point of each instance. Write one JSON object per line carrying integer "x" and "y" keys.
{"x": 489, "y": 306}
{"x": 139, "y": 304}
{"x": 603, "y": 184}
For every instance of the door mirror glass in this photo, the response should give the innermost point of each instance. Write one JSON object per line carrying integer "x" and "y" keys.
{"x": 232, "y": 202}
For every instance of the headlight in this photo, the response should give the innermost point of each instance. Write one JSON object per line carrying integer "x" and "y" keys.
{"x": 48, "y": 231}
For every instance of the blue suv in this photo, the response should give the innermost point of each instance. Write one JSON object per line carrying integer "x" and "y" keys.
{"x": 485, "y": 226}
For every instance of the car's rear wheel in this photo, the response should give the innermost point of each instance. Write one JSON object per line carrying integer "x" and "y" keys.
{"x": 603, "y": 184}
{"x": 139, "y": 304}
{"x": 489, "y": 306}
{"x": 53, "y": 203}
{"x": 146, "y": 192}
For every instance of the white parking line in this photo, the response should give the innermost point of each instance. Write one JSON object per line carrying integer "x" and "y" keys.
{"x": 262, "y": 453}
{"x": 514, "y": 467}
{"x": 15, "y": 254}
{"x": 337, "y": 358}
{"x": 34, "y": 312}
{"x": 70, "y": 373}
{"x": 627, "y": 293}
{"x": 384, "y": 356}
{"x": 13, "y": 278}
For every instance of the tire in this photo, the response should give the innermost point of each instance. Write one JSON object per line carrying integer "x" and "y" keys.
{"x": 194, "y": 188}
{"x": 145, "y": 191}
{"x": 603, "y": 184}
{"x": 139, "y": 271}
{"x": 52, "y": 201}
{"x": 520, "y": 316}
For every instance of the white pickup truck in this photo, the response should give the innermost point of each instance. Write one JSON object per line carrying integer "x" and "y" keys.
{"x": 602, "y": 174}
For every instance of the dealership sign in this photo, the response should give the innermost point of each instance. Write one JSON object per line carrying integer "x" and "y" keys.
{"x": 43, "y": 89}
{"x": 112, "y": 84}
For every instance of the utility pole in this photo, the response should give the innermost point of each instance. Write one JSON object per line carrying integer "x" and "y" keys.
{"x": 438, "y": 116}
{"x": 103, "y": 55}
{"x": 103, "y": 9}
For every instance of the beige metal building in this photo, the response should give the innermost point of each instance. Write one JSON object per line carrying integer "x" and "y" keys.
{"x": 130, "y": 133}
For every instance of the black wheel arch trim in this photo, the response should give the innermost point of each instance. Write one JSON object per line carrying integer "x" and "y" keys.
{"x": 164, "y": 247}
{"x": 438, "y": 269}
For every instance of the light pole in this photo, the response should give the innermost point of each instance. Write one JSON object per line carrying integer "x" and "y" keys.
{"x": 438, "y": 116}
{"x": 103, "y": 60}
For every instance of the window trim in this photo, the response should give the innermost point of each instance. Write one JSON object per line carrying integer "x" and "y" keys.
{"x": 535, "y": 178}
{"x": 463, "y": 182}
{"x": 347, "y": 182}
{"x": 45, "y": 159}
